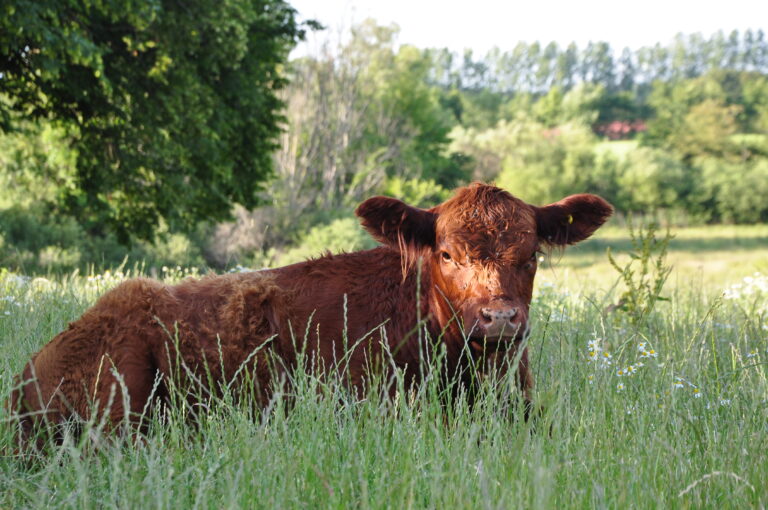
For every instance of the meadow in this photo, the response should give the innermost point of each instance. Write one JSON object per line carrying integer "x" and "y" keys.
{"x": 669, "y": 411}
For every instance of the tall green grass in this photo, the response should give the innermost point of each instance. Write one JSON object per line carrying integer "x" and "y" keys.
{"x": 687, "y": 428}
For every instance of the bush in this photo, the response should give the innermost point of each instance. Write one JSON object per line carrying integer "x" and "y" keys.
{"x": 36, "y": 240}
{"x": 652, "y": 179}
{"x": 341, "y": 235}
{"x": 733, "y": 192}
{"x": 416, "y": 192}
{"x": 36, "y": 165}
{"x": 547, "y": 164}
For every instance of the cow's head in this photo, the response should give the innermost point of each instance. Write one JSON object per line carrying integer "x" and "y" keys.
{"x": 481, "y": 250}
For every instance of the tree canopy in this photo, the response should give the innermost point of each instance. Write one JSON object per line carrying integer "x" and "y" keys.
{"x": 172, "y": 107}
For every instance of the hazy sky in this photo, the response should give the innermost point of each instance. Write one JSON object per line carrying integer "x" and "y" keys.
{"x": 482, "y": 24}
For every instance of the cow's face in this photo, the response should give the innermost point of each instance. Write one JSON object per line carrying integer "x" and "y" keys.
{"x": 481, "y": 249}
{"x": 484, "y": 260}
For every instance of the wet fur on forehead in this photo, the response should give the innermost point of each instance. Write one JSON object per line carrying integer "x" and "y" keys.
{"x": 485, "y": 222}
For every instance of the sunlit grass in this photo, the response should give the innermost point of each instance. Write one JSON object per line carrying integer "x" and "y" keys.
{"x": 669, "y": 414}
{"x": 706, "y": 256}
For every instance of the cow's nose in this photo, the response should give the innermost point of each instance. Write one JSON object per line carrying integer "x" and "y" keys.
{"x": 497, "y": 321}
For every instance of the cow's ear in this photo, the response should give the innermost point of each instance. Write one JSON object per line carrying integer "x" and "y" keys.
{"x": 395, "y": 223}
{"x": 572, "y": 219}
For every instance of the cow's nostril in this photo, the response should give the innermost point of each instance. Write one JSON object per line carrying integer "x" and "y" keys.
{"x": 485, "y": 313}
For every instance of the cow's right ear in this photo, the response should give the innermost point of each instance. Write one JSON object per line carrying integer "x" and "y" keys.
{"x": 396, "y": 223}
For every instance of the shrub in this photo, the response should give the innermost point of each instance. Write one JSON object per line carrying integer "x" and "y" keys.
{"x": 645, "y": 274}
{"x": 547, "y": 164}
{"x": 416, "y": 192}
{"x": 734, "y": 192}
{"x": 341, "y": 235}
{"x": 652, "y": 179}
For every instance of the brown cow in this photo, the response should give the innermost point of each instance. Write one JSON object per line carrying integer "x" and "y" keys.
{"x": 469, "y": 263}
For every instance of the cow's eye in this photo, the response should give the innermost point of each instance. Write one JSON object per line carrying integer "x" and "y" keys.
{"x": 531, "y": 261}
{"x": 446, "y": 256}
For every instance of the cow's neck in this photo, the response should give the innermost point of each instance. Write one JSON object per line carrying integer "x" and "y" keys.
{"x": 426, "y": 305}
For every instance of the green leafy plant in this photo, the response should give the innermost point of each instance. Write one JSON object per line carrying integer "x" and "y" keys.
{"x": 645, "y": 273}
{"x": 173, "y": 108}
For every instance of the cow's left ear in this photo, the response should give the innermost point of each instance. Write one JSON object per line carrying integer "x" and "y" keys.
{"x": 395, "y": 223}
{"x": 572, "y": 219}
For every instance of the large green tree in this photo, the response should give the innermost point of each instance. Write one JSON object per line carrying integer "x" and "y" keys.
{"x": 172, "y": 106}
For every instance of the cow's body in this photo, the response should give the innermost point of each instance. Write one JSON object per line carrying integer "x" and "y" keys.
{"x": 468, "y": 264}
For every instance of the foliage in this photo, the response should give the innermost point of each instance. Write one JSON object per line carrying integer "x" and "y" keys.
{"x": 706, "y": 129}
{"x": 651, "y": 179}
{"x": 702, "y": 155}
{"x": 678, "y": 129}
{"x": 733, "y": 191}
{"x": 542, "y": 165}
{"x": 340, "y": 235}
{"x": 36, "y": 165}
{"x": 536, "y": 67}
{"x": 363, "y": 120}
{"x": 416, "y": 192}
{"x": 172, "y": 107}
{"x": 34, "y": 241}
{"x": 645, "y": 273}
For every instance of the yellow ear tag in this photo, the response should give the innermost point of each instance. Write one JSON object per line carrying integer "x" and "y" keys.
{"x": 570, "y": 219}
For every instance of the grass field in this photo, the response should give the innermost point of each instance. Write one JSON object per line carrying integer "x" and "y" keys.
{"x": 684, "y": 425}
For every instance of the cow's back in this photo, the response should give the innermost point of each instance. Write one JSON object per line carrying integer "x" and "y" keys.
{"x": 353, "y": 306}
{"x": 141, "y": 334}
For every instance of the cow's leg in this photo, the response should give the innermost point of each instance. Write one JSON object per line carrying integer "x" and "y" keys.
{"x": 525, "y": 382}
{"x": 36, "y": 412}
{"x": 501, "y": 362}
{"x": 125, "y": 386}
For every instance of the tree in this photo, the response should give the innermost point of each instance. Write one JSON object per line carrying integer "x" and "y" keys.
{"x": 363, "y": 115}
{"x": 172, "y": 106}
{"x": 628, "y": 71}
{"x": 567, "y": 62}
{"x": 652, "y": 179}
{"x": 671, "y": 102}
{"x": 706, "y": 129}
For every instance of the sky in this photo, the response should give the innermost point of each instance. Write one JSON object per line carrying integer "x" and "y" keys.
{"x": 482, "y": 24}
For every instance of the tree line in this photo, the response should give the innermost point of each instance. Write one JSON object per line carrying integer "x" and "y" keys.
{"x": 536, "y": 67}
{"x": 171, "y": 160}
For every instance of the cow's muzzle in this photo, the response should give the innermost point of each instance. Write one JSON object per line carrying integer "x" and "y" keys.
{"x": 495, "y": 325}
